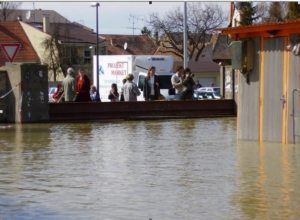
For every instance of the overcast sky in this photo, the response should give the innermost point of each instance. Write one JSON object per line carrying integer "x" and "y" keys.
{"x": 114, "y": 17}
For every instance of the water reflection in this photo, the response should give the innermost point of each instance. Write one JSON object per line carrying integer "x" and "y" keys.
{"x": 23, "y": 145}
{"x": 171, "y": 169}
{"x": 268, "y": 181}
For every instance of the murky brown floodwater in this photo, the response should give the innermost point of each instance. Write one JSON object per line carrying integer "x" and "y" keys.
{"x": 164, "y": 170}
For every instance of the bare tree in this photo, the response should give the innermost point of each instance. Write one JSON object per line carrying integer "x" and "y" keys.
{"x": 59, "y": 54}
{"x": 275, "y": 12}
{"x": 7, "y": 8}
{"x": 53, "y": 53}
{"x": 202, "y": 21}
{"x": 53, "y": 60}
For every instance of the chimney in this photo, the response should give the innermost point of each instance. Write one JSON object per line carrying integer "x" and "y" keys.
{"x": 156, "y": 37}
{"x": 231, "y": 14}
{"x": 112, "y": 42}
{"x": 231, "y": 11}
{"x": 46, "y": 23}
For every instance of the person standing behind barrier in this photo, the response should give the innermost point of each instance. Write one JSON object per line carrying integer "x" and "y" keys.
{"x": 113, "y": 95}
{"x": 69, "y": 85}
{"x": 82, "y": 87}
{"x": 94, "y": 94}
{"x": 176, "y": 81}
{"x": 151, "y": 89}
{"x": 131, "y": 90}
{"x": 122, "y": 91}
{"x": 189, "y": 84}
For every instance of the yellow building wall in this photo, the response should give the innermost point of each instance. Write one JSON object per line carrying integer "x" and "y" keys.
{"x": 37, "y": 37}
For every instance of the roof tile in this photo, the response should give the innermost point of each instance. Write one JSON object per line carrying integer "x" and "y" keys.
{"x": 12, "y": 32}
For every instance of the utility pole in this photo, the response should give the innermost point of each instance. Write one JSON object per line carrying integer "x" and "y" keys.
{"x": 96, "y": 5}
{"x": 185, "y": 38}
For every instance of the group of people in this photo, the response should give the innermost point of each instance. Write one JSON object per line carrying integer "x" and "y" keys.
{"x": 130, "y": 90}
{"x": 76, "y": 89}
{"x": 183, "y": 83}
{"x": 79, "y": 89}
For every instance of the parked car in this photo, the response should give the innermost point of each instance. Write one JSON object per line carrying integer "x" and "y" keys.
{"x": 207, "y": 93}
{"x": 51, "y": 91}
{"x": 209, "y": 89}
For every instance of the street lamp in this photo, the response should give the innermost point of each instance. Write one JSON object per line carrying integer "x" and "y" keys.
{"x": 185, "y": 38}
{"x": 97, "y": 4}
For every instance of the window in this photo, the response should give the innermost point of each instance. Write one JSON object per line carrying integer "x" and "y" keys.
{"x": 87, "y": 56}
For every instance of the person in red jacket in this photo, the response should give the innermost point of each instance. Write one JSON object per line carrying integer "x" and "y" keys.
{"x": 83, "y": 86}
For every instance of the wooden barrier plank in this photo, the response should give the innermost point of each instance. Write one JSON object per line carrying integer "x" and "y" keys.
{"x": 140, "y": 110}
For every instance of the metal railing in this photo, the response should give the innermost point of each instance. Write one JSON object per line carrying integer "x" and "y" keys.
{"x": 294, "y": 116}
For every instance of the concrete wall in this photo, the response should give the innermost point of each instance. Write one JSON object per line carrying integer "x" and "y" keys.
{"x": 4, "y": 88}
{"x": 29, "y": 101}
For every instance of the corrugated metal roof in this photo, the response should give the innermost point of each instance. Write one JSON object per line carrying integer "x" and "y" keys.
{"x": 295, "y": 24}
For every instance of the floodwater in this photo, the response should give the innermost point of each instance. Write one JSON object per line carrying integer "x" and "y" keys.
{"x": 160, "y": 170}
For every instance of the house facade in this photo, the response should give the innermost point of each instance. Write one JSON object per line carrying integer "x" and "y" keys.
{"x": 77, "y": 45}
{"x": 74, "y": 44}
{"x": 228, "y": 76}
{"x": 206, "y": 71}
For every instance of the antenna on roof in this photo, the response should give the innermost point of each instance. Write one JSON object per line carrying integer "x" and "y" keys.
{"x": 134, "y": 19}
{"x": 33, "y": 8}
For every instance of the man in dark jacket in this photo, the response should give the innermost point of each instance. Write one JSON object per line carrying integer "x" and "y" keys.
{"x": 151, "y": 90}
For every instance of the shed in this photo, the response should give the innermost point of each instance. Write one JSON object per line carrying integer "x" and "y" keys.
{"x": 267, "y": 57}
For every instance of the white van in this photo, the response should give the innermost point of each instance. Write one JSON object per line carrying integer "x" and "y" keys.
{"x": 114, "y": 68}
